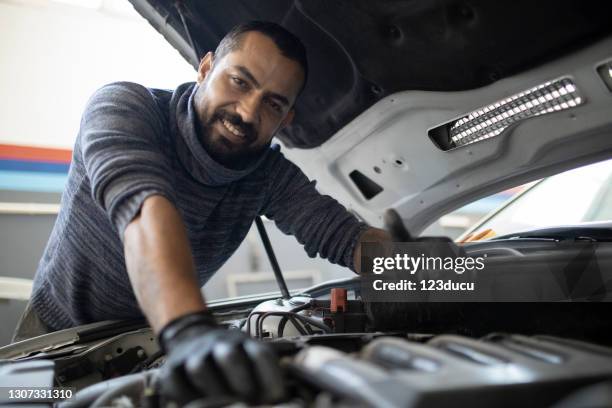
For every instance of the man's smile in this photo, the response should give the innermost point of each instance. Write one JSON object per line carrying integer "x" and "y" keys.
{"x": 231, "y": 132}
{"x": 232, "y": 128}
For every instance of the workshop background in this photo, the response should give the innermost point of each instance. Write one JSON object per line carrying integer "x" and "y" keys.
{"x": 55, "y": 54}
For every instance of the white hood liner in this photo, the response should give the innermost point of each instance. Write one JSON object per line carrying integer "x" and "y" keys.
{"x": 430, "y": 182}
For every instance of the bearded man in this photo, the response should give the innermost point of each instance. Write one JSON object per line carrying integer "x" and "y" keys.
{"x": 162, "y": 189}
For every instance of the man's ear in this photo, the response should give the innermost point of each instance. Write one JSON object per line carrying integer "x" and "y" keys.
{"x": 287, "y": 120}
{"x": 205, "y": 66}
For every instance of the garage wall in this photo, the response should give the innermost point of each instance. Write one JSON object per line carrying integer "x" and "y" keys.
{"x": 22, "y": 240}
{"x": 54, "y": 56}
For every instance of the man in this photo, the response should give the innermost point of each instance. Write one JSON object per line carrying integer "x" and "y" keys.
{"x": 162, "y": 189}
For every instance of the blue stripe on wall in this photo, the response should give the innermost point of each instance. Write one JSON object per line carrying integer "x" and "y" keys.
{"x": 24, "y": 165}
{"x": 32, "y": 181}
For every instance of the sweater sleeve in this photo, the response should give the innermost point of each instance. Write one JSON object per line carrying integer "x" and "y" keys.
{"x": 318, "y": 222}
{"x": 120, "y": 141}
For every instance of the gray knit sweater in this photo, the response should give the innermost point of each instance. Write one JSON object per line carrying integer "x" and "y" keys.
{"x": 134, "y": 142}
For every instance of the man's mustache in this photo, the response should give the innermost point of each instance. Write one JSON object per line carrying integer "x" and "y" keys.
{"x": 250, "y": 134}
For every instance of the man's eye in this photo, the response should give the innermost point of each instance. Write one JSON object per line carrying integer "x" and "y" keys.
{"x": 239, "y": 82}
{"x": 274, "y": 105}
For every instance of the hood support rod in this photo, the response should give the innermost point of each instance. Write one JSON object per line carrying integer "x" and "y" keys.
{"x": 278, "y": 274}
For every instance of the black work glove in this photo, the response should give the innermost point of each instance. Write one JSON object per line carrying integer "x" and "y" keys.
{"x": 385, "y": 316}
{"x": 395, "y": 227}
{"x": 439, "y": 246}
{"x": 205, "y": 360}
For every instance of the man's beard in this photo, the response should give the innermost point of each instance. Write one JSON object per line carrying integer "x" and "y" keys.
{"x": 225, "y": 152}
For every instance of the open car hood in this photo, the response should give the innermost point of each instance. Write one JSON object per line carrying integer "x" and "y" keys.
{"x": 396, "y": 88}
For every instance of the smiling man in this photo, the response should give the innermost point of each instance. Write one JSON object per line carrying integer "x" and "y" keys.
{"x": 247, "y": 97}
{"x": 162, "y": 189}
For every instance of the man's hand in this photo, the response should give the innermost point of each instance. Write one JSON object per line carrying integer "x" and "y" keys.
{"x": 396, "y": 228}
{"x": 369, "y": 235}
{"x": 207, "y": 361}
{"x": 395, "y": 232}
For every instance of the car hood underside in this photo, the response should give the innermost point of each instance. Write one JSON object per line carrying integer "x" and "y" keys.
{"x": 420, "y": 106}
{"x": 361, "y": 51}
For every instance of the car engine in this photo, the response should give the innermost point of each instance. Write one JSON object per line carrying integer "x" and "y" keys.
{"x": 333, "y": 354}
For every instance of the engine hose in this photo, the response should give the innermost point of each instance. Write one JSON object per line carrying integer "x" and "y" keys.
{"x": 86, "y": 396}
{"x": 133, "y": 388}
{"x": 314, "y": 323}
{"x": 261, "y": 318}
{"x": 284, "y": 319}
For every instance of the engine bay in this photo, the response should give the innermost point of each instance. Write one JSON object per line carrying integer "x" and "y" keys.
{"x": 337, "y": 349}
{"x": 333, "y": 354}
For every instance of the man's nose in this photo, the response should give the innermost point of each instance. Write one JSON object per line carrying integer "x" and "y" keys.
{"x": 248, "y": 109}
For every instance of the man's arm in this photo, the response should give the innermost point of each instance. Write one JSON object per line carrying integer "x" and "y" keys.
{"x": 122, "y": 141}
{"x": 123, "y": 146}
{"x": 160, "y": 264}
{"x": 319, "y": 222}
{"x": 203, "y": 358}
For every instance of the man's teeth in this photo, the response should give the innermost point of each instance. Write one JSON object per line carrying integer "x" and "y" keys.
{"x": 232, "y": 128}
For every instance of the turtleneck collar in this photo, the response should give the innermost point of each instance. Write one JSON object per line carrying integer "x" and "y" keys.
{"x": 192, "y": 154}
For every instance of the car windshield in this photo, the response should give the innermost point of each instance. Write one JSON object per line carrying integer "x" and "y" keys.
{"x": 576, "y": 196}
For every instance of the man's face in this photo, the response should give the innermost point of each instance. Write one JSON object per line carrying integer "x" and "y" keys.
{"x": 244, "y": 98}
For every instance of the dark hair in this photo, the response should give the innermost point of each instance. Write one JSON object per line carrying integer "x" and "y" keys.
{"x": 289, "y": 45}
